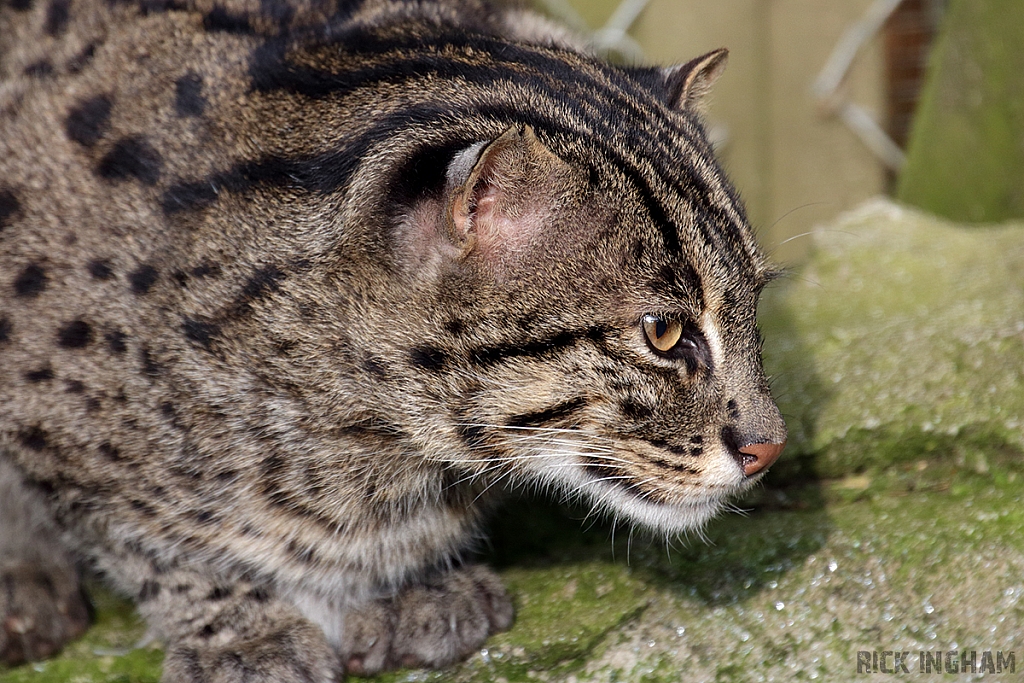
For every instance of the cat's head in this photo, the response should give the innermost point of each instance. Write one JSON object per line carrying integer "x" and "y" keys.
{"x": 587, "y": 309}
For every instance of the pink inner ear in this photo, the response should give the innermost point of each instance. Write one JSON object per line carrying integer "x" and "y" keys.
{"x": 504, "y": 226}
{"x": 504, "y": 202}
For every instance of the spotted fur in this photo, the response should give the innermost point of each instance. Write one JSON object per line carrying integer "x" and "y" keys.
{"x": 291, "y": 290}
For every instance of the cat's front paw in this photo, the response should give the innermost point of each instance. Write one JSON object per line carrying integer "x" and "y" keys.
{"x": 41, "y": 609}
{"x": 294, "y": 652}
{"x": 429, "y": 624}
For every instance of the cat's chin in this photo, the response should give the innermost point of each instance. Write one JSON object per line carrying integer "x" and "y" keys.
{"x": 670, "y": 519}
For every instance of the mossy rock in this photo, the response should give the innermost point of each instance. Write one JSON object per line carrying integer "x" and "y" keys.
{"x": 900, "y": 341}
{"x": 965, "y": 159}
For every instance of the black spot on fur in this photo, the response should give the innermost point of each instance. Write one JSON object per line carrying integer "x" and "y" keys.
{"x": 472, "y": 435}
{"x": 33, "y": 438}
{"x": 205, "y": 269}
{"x": 40, "y": 69}
{"x": 265, "y": 280}
{"x": 697, "y": 439}
{"x": 31, "y": 281}
{"x": 259, "y": 594}
{"x": 74, "y": 386}
{"x": 734, "y": 410}
{"x": 150, "y": 367}
{"x": 43, "y": 374}
{"x": 150, "y": 590}
{"x": 143, "y": 507}
{"x": 110, "y": 451}
{"x": 57, "y": 15}
{"x": 204, "y": 516}
{"x": 273, "y": 465}
{"x": 673, "y": 448}
{"x": 79, "y": 61}
{"x": 219, "y": 593}
{"x": 219, "y": 19}
{"x": 143, "y": 278}
{"x": 527, "y": 322}
{"x": 100, "y": 269}
{"x": 304, "y": 553}
{"x": 115, "y": 341}
{"x": 199, "y": 331}
{"x": 21, "y": 5}
{"x": 375, "y": 367}
{"x": 188, "y": 95}
{"x": 75, "y": 334}
{"x": 635, "y": 410}
{"x": 674, "y": 466}
{"x": 428, "y": 357}
{"x": 455, "y": 326}
{"x": 186, "y": 196}
{"x": 89, "y": 120}
{"x": 5, "y": 329}
{"x": 9, "y": 206}
{"x": 132, "y": 157}
{"x": 207, "y": 632}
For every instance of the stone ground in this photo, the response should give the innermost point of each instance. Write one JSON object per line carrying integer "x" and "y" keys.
{"x": 893, "y": 522}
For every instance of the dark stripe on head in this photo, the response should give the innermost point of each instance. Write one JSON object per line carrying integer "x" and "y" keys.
{"x": 555, "y": 413}
{"x": 682, "y": 281}
{"x": 538, "y": 348}
{"x": 604, "y": 100}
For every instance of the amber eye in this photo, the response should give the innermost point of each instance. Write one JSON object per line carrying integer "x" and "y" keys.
{"x": 662, "y": 334}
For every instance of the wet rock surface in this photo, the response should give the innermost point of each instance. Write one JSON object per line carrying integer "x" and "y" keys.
{"x": 892, "y": 524}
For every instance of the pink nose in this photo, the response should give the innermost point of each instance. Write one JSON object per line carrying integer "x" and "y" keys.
{"x": 763, "y": 454}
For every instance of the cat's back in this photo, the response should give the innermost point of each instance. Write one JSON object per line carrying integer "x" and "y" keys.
{"x": 182, "y": 185}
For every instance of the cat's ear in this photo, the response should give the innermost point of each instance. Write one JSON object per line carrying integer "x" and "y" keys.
{"x": 499, "y": 194}
{"x": 687, "y": 85}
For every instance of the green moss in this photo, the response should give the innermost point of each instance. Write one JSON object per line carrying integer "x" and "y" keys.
{"x": 901, "y": 339}
{"x": 763, "y": 596}
{"x": 107, "y": 653}
{"x": 965, "y": 157}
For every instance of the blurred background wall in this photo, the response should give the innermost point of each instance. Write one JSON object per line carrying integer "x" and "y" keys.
{"x": 794, "y": 158}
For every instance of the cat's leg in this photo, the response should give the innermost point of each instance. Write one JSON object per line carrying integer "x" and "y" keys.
{"x": 41, "y": 602}
{"x": 218, "y": 632}
{"x": 438, "y": 621}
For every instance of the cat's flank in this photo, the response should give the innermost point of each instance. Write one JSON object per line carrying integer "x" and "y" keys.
{"x": 290, "y": 291}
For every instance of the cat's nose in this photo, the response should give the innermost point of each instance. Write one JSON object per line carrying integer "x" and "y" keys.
{"x": 758, "y": 456}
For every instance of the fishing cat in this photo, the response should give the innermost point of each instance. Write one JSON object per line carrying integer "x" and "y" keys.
{"x": 290, "y": 290}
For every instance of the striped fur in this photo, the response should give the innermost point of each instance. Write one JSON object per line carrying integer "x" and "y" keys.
{"x": 293, "y": 291}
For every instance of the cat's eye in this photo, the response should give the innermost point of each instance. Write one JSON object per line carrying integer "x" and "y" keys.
{"x": 662, "y": 334}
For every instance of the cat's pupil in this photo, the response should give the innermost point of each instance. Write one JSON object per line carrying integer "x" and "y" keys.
{"x": 660, "y": 328}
